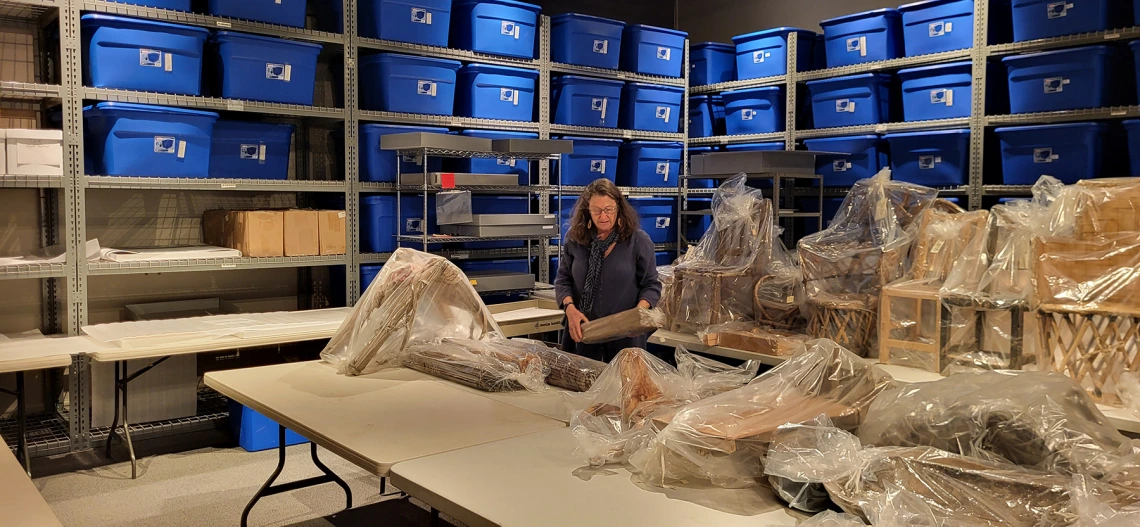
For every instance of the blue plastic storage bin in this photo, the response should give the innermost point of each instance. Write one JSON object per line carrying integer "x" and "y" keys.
{"x": 1034, "y": 19}
{"x": 382, "y": 166}
{"x": 378, "y": 223}
{"x": 754, "y": 111}
{"x": 651, "y": 107}
{"x": 586, "y": 40}
{"x": 755, "y": 147}
{"x": 1067, "y": 79}
{"x": 855, "y": 100}
{"x": 936, "y": 159}
{"x": 865, "y": 158}
{"x": 593, "y": 158}
{"x": 706, "y": 115}
{"x": 144, "y": 55}
{"x": 368, "y": 274}
{"x": 1134, "y": 48}
{"x": 257, "y": 68}
{"x": 585, "y": 101}
{"x": 653, "y": 50}
{"x": 649, "y": 164}
{"x": 943, "y": 91}
{"x": 1132, "y": 127}
{"x": 488, "y": 165}
{"x": 935, "y": 26}
{"x": 1069, "y": 152}
{"x": 242, "y": 149}
{"x": 281, "y": 12}
{"x": 765, "y": 53}
{"x": 415, "y": 21}
{"x": 863, "y": 37}
{"x": 700, "y": 183}
{"x": 408, "y": 84}
{"x": 515, "y": 265}
{"x": 125, "y": 139}
{"x": 255, "y": 432}
{"x": 711, "y": 63}
{"x": 658, "y": 217}
{"x": 496, "y": 27}
{"x": 565, "y": 215}
{"x": 496, "y": 92}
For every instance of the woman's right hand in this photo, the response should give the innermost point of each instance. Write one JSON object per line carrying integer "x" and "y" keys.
{"x": 575, "y": 319}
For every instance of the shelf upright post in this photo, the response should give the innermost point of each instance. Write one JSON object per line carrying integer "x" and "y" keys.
{"x": 790, "y": 87}
{"x": 978, "y": 106}
{"x": 544, "y": 194}
{"x": 351, "y": 153}
{"x": 683, "y": 183}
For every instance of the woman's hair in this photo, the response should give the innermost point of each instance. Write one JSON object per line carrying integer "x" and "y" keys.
{"x": 582, "y": 230}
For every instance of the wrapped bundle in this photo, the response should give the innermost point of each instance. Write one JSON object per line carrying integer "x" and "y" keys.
{"x": 630, "y": 323}
{"x": 750, "y": 337}
{"x": 566, "y": 370}
{"x": 483, "y": 365}
{"x": 668, "y": 294}
{"x": 710, "y": 377}
{"x": 416, "y": 298}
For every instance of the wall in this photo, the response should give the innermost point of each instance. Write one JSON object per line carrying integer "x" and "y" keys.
{"x": 720, "y": 20}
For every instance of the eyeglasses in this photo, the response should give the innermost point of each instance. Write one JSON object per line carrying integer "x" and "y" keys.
{"x": 608, "y": 212}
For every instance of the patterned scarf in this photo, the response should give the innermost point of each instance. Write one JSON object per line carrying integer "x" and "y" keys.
{"x": 598, "y": 249}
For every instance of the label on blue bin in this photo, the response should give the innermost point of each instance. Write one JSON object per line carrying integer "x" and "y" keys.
{"x": 164, "y": 144}
{"x": 747, "y": 114}
{"x": 1058, "y": 9}
{"x": 602, "y": 47}
{"x": 759, "y": 56}
{"x": 253, "y": 152}
{"x": 663, "y": 171}
{"x": 1044, "y": 155}
{"x": 942, "y": 96}
{"x": 928, "y": 162}
{"x": 840, "y": 165}
{"x": 597, "y": 165}
{"x": 414, "y": 225}
{"x": 599, "y": 104}
{"x": 1055, "y": 84}
{"x": 663, "y": 223}
{"x": 509, "y": 95}
{"x": 505, "y": 162}
{"x": 421, "y": 16}
{"x": 857, "y": 44}
{"x": 664, "y": 53}
{"x": 426, "y": 88}
{"x": 663, "y": 113}
{"x": 278, "y": 72}
{"x": 845, "y": 106}
{"x": 511, "y": 29}
{"x": 153, "y": 58}
{"x": 938, "y": 29}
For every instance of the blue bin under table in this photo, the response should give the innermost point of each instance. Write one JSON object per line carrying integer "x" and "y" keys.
{"x": 943, "y": 91}
{"x": 651, "y": 107}
{"x": 936, "y": 26}
{"x": 765, "y": 53}
{"x": 649, "y": 164}
{"x": 653, "y": 50}
{"x": 425, "y": 22}
{"x": 408, "y": 84}
{"x": 864, "y": 157}
{"x": 1132, "y": 127}
{"x": 145, "y": 55}
{"x": 281, "y": 12}
{"x": 253, "y": 150}
{"x": 658, "y": 217}
{"x": 175, "y": 5}
{"x": 586, "y": 101}
{"x": 936, "y": 159}
{"x": 1034, "y": 19}
{"x": 712, "y": 63}
{"x": 495, "y": 27}
{"x": 126, "y": 139}
{"x": 854, "y": 100}
{"x": 496, "y": 92}
{"x": 1069, "y": 152}
{"x": 490, "y": 165}
{"x": 863, "y": 37}
{"x": 586, "y": 40}
{"x": 255, "y": 432}
{"x": 754, "y": 111}
{"x": 593, "y": 158}
{"x": 257, "y": 68}
{"x": 706, "y": 115}
{"x": 1068, "y": 79}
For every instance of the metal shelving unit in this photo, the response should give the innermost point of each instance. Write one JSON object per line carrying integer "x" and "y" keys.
{"x": 212, "y": 22}
{"x": 213, "y": 103}
{"x": 251, "y": 185}
{"x": 210, "y": 264}
{"x": 615, "y": 133}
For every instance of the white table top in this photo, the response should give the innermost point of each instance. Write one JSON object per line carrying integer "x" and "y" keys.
{"x": 41, "y": 353}
{"x": 535, "y": 480}
{"x": 376, "y": 420}
{"x": 20, "y": 501}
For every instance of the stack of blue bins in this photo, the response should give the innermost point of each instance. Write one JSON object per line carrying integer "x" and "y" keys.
{"x": 126, "y": 139}
{"x": 1035, "y": 19}
{"x": 495, "y": 27}
{"x": 593, "y": 158}
{"x": 408, "y": 84}
{"x": 943, "y": 91}
{"x": 144, "y": 55}
{"x": 586, "y": 101}
{"x": 854, "y": 100}
{"x": 649, "y": 164}
{"x": 754, "y": 111}
{"x": 765, "y": 53}
{"x": 863, "y": 37}
{"x": 653, "y": 50}
{"x": 865, "y": 156}
{"x": 712, "y": 63}
{"x": 423, "y": 22}
{"x": 1068, "y": 152}
{"x": 1067, "y": 79}
{"x": 241, "y": 149}
{"x": 282, "y": 12}
{"x": 489, "y": 165}
{"x": 651, "y": 107}
{"x": 496, "y": 92}
{"x": 657, "y": 217}
{"x": 257, "y": 68}
{"x": 938, "y": 158}
{"x": 936, "y": 26}
{"x": 706, "y": 115}
{"x": 385, "y": 166}
{"x": 585, "y": 40}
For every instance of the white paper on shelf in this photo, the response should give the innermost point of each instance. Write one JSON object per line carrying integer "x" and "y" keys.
{"x": 31, "y": 348}
{"x": 152, "y": 333}
{"x": 55, "y": 254}
{"x": 168, "y": 253}
{"x": 526, "y": 313}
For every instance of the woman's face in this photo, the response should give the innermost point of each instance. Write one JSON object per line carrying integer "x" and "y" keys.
{"x": 603, "y": 210}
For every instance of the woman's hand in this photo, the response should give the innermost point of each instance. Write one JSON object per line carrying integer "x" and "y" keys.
{"x": 644, "y": 304}
{"x": 574, "y": 320}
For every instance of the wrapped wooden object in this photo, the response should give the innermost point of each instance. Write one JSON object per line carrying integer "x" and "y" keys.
{"x": 749, "y": 337}
{"x": 630, "y": 323}
{"x": 568, "y": 371}
{"x": 484, "y": 365}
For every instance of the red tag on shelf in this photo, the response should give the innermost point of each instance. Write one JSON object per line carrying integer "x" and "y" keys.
{"x": 447, "y": 180}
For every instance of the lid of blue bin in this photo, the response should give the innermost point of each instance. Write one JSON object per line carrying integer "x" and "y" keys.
{"x": 761, "y": 89}
{"x": 717, "y": 45}
{"x": 924, "y": 4}
{"x": 771, "y": 33}
{"x": 886, "y": 11}
{"x": 655, "y": 86}
{"x": 508, "y": 70}
{"x": 368, "y": 59}
{"x": 926, "y": 69}
{"x": 930, "y": 133}
{"x": 234, "y": 34}
{"x": 1131, "y": 122}
{"x": 1054, "y": 53}
{"x": 98, "y": 18}
{"x": 882, "y": 76}
{"x": 1049, "y": 127}
{"x": 133, "y": 107}
{"x": 701, "y": 149}
{"x": 580, "y": 16}
{"x": 828, "y": 140}
{"x": 564, "y": 78}
{"x": 512, "y": 3}
{"x": 498, "y": 134}
{"x": 644, "y": 27}
{"x": 658, "y": 144}
{"x": 594, "y": 139}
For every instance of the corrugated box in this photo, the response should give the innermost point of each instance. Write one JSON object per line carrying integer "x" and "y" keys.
{"x": 257, "y": 233}
{"x": 332, "y": 232}
{"x": 302, "y": 233}
{"x": 35, "y": 152}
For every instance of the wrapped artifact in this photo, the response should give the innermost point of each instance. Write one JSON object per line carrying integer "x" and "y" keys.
{"x": 748, "y": 336}
{"x": 483, "y": 365}
{"x": 630, "y": 323}
{"x": 568, "y": 371}
{"x": 416, "y": 298}
{"x": 710, "y": 377}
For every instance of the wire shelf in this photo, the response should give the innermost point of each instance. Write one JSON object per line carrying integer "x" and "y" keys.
{"x": 627, "y": 76}
{"x": 32, "y": 271}
{"x": 441, "y": 152}
{"x": 893, "y": 64}
{"x": 447, "y": 120}
{"x": 213, "y": 103}
{"x": 211, "y": 264}
{"x": 258, "y": 185}
{"x": 776, "y": 80}
{"x": 213, "y": 413}
{"x": 31, "y": 181}
{"x": 27, "y": 91}
{"x": 26, "y": 9}
{"x": 446, "y": 53}
{"x": 614, "y": 133}
{"x": 47, "y": 434}
{"x": 441, "y": 238}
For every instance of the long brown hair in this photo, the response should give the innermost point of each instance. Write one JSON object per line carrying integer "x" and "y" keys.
{"x": 582, "y": 230}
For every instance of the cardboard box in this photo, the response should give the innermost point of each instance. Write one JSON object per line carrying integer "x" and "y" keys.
{"x": 331, "y": 224}
{"x": 257, "y": 233}
{"x": 301, "y": 233}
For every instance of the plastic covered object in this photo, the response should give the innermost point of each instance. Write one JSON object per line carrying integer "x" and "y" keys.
{"x": 1094, "y": 510}
{"x": 454, "y": 208}
{"x": 833, "y": 519}
{"x": 565, "y": 370}
{"x": 723, "y": 439}
{"x": 710, "y": 377}
{"x": 668, "y": 293}
{"x": 416, "y": 298}
{"x": 796, "y": 465}
{"x": 484, "y": 365}
{"x": 1129, "y": 390}
{"x": 629, "y": 323}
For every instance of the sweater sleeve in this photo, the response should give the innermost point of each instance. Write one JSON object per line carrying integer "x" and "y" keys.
{"x": 647, "y": 280}
{"x": 564, "y": 282}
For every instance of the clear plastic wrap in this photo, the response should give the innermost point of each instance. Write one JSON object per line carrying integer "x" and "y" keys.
{"x": 710, "y": 377}
{"x": 568, "y": 371}
{"x": 723, "y": 439}
{"x": 1129, "y": 391}
{"x": 416, "y": 298}
{"x": 748, "y": 336}
{"x": 796, "y": 463}
{"x": 630, "y": 323}
{"x": 1095, "y": 505}
{"x": 833, "y": 519}
{"x": 668, "y": 293}
{"x": 484, "y": 365}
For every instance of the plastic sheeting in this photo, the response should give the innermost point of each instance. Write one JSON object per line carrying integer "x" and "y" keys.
{"x": 723, "y": 439}
{"x": 630, "y": 323}
{"x": 416, "y": 298}
{"x": 710, "y": 377}
{"x": 833, "y": 519}
{"x": 483, "y": 365}
{"x": 565, "y": 370}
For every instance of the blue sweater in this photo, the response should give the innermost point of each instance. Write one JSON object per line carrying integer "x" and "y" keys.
{"x": 629, "y": 275}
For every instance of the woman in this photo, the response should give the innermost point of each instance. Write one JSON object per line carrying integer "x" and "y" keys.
{"x": 608, "y": 265}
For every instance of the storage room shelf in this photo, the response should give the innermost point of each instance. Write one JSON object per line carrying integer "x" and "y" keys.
{"x": 27, "y": 90}
{"x": 614, "y": 133}
{"x": 470, "y": 154}
{"x": 885, "y": 65}
{"x": 213, "y": 22}
{"x": 839, "y": 192}
{"x": 26, "y": 9}
{"x": 213, "y": 413}
{"x": 471, "y": 239}
{"x": 32, "y": 270}
{"x": 1091, "y": 114}
{"x": 210, "y": 264}
{"x": 1008, "y": 190}
{"x": 212, "y": 103}
{"x": 488, "y": 189}
{"x": 445, "y": 53}
{"x": 252, "y": 185}
{"x": 1082, "y": 39}
{"x": 935, "y": 124}
{"x": 628, "y": 191}
{"x": 47, "y": 435}
{"x": 447, "y": 120}
{"x": 468, "y": 254}
{"x": 620, "y": 75}
{"x": 776, "y": 80}
{"x": 506, "y": 292}
{"x": 31, "y": 181}
{"x": 720, "y": 140}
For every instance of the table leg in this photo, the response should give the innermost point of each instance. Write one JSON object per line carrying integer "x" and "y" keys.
{"x": 436, "y": 521}
{"x": 122, "y": 380}
{"x": 127, "y": 426}
{"x": 115, "y": 420}
{"x": 268, "y": 489}
{"x": 22, "y": 423}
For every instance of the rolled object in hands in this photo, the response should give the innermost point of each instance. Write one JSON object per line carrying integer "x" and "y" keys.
{"x": 636, "y": 321}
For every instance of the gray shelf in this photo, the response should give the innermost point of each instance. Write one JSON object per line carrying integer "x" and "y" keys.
{"x": 27, "y": 90}
{"x": 31, "y": 181}
{"x": 468, "y": 254}
{"x": 1081, "y": 39}
{"x": 26, "y": 9}
{"x": 213, "y": 413}
{"x": 720, "y": 140}
{"x": 776, "y": 80}
{"x": 627, "y": 76}
{"x": 471, "y": 239}
{"x": 1008, "y": 190}
{"x": 446, "y": 120}
{"x": 482, "y": 189}
{"x": 1091, "y": 114}
{"x": 213, "y": 22}
{"x": 213, "y": 103}
{"x": 629, "y": 191}
{"x": 47, "y": 435}
{"x": 445, "y": 53}
{"x": 32, "y": 271}
{"x": 839, "y": 192}
{"x": 885, "y": 65}
{"x": 210, "y": 264}
{"x": 251, "y": 185}
{"x": 936, "y": 124}
{"x": 614, "y": 133}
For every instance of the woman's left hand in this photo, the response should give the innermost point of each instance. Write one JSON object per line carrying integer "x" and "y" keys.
{"x": 643, "y": 304}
